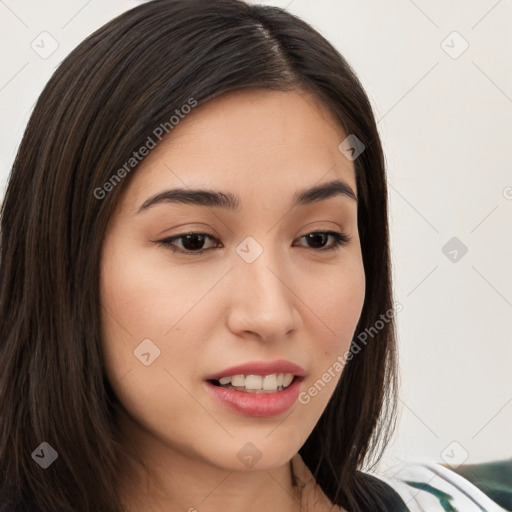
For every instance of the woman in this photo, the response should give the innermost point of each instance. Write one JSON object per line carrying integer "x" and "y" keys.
{"x": 185, "y": 292}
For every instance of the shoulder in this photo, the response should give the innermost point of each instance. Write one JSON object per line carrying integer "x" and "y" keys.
{"x": 431, "y": 486}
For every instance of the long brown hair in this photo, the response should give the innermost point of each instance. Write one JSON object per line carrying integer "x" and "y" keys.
{"x": 99, "y": 107}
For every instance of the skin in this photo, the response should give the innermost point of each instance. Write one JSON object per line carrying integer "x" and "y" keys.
{"x": 211, "y": 311}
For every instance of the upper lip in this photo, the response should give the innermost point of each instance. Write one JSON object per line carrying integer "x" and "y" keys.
{"x": 260, "y": 368}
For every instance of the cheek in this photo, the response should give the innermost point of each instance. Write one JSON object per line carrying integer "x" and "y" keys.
{"x": 337, "y": 298}
{"x": 142, "y": 294}
{"x": 337, "y": 301}
{"x": 146, "y": 304}
{"x": 139, "y": 307}
{"x": 132, "y": 307}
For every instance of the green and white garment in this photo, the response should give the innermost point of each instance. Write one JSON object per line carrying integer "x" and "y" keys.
{"x": 433, "y": 487}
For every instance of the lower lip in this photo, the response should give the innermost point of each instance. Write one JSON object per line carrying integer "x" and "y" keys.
{"x": 262, "y": 405}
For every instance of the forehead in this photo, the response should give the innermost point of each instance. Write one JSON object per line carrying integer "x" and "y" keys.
{"x": 284, "y": 140}
{"x": 255, "y": 120}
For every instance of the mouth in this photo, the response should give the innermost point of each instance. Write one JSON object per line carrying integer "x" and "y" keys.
{"x": 247, "y": 401}
{"x": 260, "y": 384}
{"x": 259, "y": 388}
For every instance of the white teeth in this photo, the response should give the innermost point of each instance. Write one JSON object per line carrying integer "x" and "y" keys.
{"x": 287, "y": 380}
{"x": 270, "y": 381}
{"x": 255, "y": 383}
{"x": 238, "y": 380}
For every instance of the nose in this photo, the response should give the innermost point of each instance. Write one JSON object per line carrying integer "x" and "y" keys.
{"x": 264, "y": 303}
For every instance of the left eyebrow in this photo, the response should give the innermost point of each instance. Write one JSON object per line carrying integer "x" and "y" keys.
{"x": 217, "y": 199}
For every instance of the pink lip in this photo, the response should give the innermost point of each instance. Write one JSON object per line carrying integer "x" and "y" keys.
{"x": 260, "y": 368}
{"x": 263, "y": 405}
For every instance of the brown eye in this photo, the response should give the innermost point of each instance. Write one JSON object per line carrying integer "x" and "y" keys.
{"x": 193, "y": 243}
{"x": 319, "y": 238}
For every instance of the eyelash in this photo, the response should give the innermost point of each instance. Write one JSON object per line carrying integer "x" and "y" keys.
{"x": 339, "y": 240}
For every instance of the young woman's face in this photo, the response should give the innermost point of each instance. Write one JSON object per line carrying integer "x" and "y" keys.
{"x": 262, "y": 293}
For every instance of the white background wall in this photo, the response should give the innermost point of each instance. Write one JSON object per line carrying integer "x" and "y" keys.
{"x": 446, "y": 124}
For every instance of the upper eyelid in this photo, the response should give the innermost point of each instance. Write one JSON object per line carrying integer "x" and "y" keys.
{"x": 202, "y": 233}
{"x": 174, "y": 238}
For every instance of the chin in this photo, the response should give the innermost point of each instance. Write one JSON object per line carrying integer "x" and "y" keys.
{"x": 256, "y": 453}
